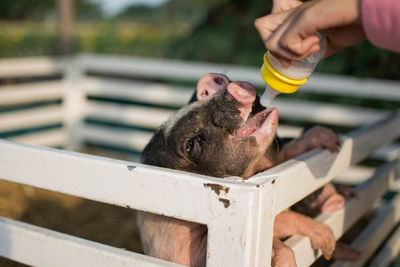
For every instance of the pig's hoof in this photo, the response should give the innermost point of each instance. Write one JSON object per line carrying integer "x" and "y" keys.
{"x": 346, "y": 191}
{"x": 328, "y": 201}
{"x": 283, "y": 257}
{"x": 333, "y": 203}
{"x": 322, "y": 137}
{"x": 322, "y": 238}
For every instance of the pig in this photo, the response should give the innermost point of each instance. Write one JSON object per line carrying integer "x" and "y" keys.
{"x": 228, "y": 133}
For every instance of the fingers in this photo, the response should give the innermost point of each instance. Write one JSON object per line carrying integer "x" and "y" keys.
{"x": 282, "y": 5}
{"x": 266, "y": 25}
{"x": 280, "y": 34}
{"x": 289, "y": 31}
{"x": 293, "y": 47}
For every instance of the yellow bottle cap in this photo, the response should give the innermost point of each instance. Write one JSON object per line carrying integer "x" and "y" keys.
{"x": 277, "y": 81}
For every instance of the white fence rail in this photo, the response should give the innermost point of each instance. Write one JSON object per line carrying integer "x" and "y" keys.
{"x": 89, "y": 108}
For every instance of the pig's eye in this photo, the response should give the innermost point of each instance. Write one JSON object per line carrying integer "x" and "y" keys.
{"x": 190, "y": 145}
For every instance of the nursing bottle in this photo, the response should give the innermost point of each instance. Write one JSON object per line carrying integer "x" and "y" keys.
{"x": 281, "y": 79}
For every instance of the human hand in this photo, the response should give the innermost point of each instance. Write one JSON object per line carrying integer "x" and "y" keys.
{"x": 282, "y": 5}
{"x": 290, "y": 35}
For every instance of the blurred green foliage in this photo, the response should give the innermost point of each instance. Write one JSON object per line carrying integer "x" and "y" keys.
{"x": 203, "y": 30}
{"x": 39, "y": 10}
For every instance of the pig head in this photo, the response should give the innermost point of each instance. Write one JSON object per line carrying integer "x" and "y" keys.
{"x": 219, "y": 136}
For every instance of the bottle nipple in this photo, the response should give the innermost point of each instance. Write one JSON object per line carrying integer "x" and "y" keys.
{"x": 269, "y": 95}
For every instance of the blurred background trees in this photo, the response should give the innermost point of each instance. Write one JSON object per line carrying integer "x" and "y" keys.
{"x": 202, "y": 30}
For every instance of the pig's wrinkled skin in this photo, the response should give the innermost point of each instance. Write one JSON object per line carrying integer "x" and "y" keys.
{"x": 221, "y": 136}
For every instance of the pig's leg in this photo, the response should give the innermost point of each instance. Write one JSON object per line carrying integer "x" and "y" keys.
{"x": 345, "y": 190}
{"x": 325, "y": 200}
{"x": 282, "y": 255}
{"x": 316, "y": 137}
{"x": 328, "y": 199}
{"x": 333, "y": 197}
{"x": 289, "y": 223}
{"x": 172, "y": 239}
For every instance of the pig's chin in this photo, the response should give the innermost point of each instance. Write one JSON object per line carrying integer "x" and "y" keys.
{"x": 261, "y": 126}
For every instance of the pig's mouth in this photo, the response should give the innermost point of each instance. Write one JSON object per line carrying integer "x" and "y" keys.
{"x": 262, "y": 125}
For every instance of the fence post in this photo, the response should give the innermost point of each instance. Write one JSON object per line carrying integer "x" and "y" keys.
{"x": 74, "y": 102}
{"x": 243, "y": 236}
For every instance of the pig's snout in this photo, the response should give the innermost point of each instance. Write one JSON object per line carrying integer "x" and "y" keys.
{"x": 244, "y": 93}
{"x": 211, "y": 84}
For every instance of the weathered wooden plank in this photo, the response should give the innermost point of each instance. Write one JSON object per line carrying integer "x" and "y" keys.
{"x": 327, "y": 113}
{"x": 112, "y": 136}
{"x": 388, "y": 215}
{"x": 34, "y": 66}
{"x": 28, "y": 118}
{"x": 340, "y": 85}
{"x": 355, "y": 175}
{"x": 30, "y": 93}
{"x": 147, "y": 92}
{"x": 388, "y": 152}
{"x": 367, "y": 194}
{"x": 160, "y": 68}
{"x": 37, "y": 246}
{"x": 187, "y": 70}
{"x": 389, "y": 252}
{"x": 51, "y": 138}
{"x": 131, "y": 115}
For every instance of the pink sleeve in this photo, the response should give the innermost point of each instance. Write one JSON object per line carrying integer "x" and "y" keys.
{"x": 381, "y": 22}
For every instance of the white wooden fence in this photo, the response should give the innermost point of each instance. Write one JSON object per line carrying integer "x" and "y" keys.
{"x": 80, "y": 109}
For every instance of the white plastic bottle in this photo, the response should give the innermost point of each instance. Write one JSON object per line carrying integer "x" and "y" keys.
{"x": 281, "y": 79}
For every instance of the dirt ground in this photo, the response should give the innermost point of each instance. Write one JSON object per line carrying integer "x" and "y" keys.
{"x": 95, "y": 221}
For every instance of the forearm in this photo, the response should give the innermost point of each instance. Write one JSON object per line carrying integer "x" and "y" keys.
{"x": 381, "y": 22}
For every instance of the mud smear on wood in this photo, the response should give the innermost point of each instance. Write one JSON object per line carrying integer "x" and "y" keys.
{"x": 217, "y": 188}
{"x": 225, "y": 201}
